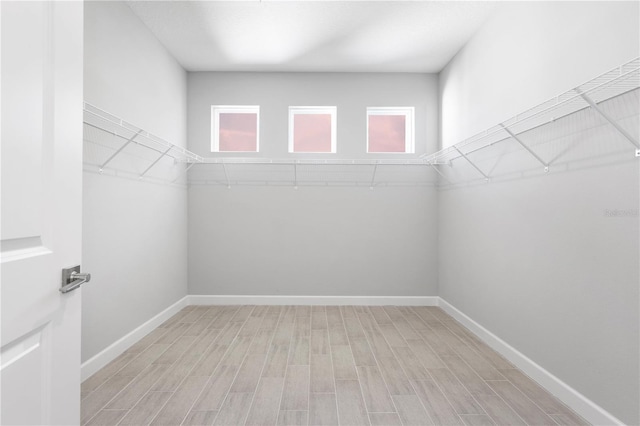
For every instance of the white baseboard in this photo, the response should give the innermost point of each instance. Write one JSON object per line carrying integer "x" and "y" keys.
{"x": 95, "y": 363}
{"x": 588, "y": 409}
{"x": 314, "y": 300}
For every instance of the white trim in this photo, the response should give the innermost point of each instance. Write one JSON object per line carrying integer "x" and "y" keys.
{"x": 314, "y": 300}
{"x": 318, "y": 110}
{"x": 582, "y": 405}
{"x": 95, "y": 363}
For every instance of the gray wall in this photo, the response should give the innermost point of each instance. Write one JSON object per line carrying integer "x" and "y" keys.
{"x": 314, "y": 240}
{"x": 134, "y": 232}
{"x": 539, "y": 264}
{"x": 351, "y": 93}
{"x": 532, "y": 257}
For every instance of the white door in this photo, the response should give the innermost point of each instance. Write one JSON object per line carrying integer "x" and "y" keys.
{"x": 41, "y": 169}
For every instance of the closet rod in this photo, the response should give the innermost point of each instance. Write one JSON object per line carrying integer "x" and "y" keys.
{"x": 315, "y": 162}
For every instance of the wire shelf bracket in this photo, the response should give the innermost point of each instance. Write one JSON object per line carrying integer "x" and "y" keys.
{"x": 373, "y": 176}
{"x": 486, "y": 176}
{"x": 155, "y": 162}
{"x": 529, "y": 150}
{"x": 226, "y": 175}
{"x": 184, "y": 172}
{"x": 611, "y": 121}
{"x": 108, "y": 160}
{"x": 435, "y": 167}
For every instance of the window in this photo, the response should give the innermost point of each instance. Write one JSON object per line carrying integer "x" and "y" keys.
{"x": 312, "y": 129}
{"x": 390, "y": 130}
{"x": 234, "y": 128}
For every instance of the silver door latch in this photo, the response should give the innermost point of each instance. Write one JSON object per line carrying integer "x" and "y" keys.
{"x": 72, "y": 278}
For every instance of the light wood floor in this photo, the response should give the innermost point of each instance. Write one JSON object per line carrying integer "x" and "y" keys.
{"x": 315, "y": 365}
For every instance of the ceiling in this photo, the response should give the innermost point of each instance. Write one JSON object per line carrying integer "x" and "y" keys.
{"x": 323, "y": 36}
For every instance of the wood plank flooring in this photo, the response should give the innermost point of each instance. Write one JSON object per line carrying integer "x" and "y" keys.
{"x": 315, "y": 365}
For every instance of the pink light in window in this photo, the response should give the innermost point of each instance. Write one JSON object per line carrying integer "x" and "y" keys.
{"x": 387, "y": 133}
{"x": 312, "y": 133}
{"x": 238, "y": 131}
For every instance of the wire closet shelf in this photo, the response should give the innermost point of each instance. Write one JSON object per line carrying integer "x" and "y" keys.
{"x": 623, "y": 79}
{"x": 99, "y": 119}
{"x": 620, "y": 80}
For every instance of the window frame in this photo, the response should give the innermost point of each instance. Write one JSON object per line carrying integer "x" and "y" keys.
{"x": 409, "y": 123}
{"x": 329, "y": 110}
{"x": 216, "y": 110}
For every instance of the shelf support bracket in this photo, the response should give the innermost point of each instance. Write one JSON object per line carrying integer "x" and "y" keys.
{"x": 486, "y": 177}
{"x": 611, "y": 121}
{"x": 155, "y": 162}
{"x": 119, "y": 150}
{"x": 373, "y": 176}
{"x": 184, "y": 172}
{"x": 226, "y": 176}
{"x": 440, "y": 173}
{"x": 529, "y": 150}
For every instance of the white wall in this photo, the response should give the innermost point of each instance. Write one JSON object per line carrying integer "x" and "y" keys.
{"x": 134, "y": 232}
{"x": 534, "y": 258}
{"x": 529, "y": 52}
{"x": 320, "y": 240}
{"x": 131, "y": 74}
